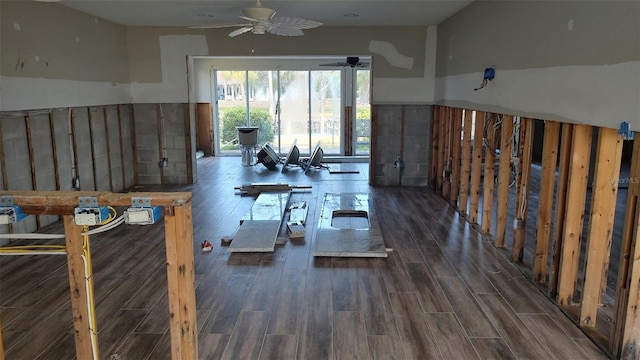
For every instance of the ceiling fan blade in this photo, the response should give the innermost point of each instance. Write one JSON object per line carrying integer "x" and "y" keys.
{"x": 240, "y": 31}
{"x": 217, "y": 26}
{"x": 284, "y": 31}
{"x": 254, "y": 20}
{"x": 295, "y": 23}
{"x": 335, "y": 64}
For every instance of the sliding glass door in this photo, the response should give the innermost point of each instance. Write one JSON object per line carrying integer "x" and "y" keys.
{"x": 287, "y": 106}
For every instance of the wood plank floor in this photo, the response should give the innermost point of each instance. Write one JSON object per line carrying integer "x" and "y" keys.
{"x": 443, "y": 293}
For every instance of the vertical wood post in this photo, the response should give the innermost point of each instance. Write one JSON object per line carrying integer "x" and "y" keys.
{"x": 504, "y": 172}
{"x": 489, "y": 171}
{"x": 476, "y": 168}
{"x": 1, "y": 342}
{"x": 349, "y": 148}
{"x": 627, "y": 250}
{"x": 627, "y": 339}
{"x": 603, "y": 210}
{"x": 188, "y": 140}
{"x": 121, "y": 144}
{"x": 134, "y": 147}
{"x": 442, "y": 125}
{"x": 545, "y": 205}
{"x": 522, "y": 182}
{"x": 374, "y": 144}
{"x": 446, "y": 184}
{"x": 105, "y": 120}
{"x": 434, "y": 147}
{"x": 181, "y": 279}
{"x": 54, "y": 150}
{"x": 79, "y": 290}
{"x": 577, "y": 188}
{"x": 93, "y": 150}
{"x": 456, "y": 142}
{"x": 465, "y": 162}
{"x": 561, "y": 205}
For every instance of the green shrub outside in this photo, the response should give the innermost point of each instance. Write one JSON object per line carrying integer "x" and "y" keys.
{"x": 237, "y": 116}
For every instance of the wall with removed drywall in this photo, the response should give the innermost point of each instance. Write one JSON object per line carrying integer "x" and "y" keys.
{"x": 574, "y": 61}
{"x": 46, "y": 150}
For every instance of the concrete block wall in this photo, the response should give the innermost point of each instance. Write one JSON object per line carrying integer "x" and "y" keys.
{"x": 402, "y": 131}
{"x": 160, "y": 131}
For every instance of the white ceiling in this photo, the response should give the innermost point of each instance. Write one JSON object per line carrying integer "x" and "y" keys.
{"x": 329, "y": 12}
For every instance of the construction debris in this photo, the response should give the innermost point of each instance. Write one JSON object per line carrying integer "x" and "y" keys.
{"x": 257, "y": 188}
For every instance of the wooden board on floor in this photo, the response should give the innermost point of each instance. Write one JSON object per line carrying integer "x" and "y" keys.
{"x": 344, "y": 236}
{"x": 260, "y": 226}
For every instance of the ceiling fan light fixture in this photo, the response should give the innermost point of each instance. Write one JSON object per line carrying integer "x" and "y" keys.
{"x": 258, "y": 29}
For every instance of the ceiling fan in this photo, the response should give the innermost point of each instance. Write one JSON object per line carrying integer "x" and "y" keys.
{"x": 261, "y": 19}
{"x": 352, "y": 61}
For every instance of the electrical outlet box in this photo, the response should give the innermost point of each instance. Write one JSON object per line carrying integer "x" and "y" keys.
{"x": 90, "y": 216}
{"x": 89, "y": 213}
{"x": 11, "y": 215}
{"x": 142, "y": 213}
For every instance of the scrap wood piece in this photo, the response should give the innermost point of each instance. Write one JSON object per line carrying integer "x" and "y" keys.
{"x": 258, "y": 188}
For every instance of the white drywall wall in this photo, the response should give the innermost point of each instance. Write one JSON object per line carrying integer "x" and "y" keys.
{"x": 601, "y": 95}
{"x": 174, "y": 50}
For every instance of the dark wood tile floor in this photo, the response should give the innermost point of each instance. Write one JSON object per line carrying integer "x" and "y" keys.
{"x": 443, "y": 293}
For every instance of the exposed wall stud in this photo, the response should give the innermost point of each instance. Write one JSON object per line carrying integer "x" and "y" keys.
{"x": 545, "y": 204}
{"x": 561, "y": 205}
{"x": 434, "y": 147}
{"x": 465, "y": 162}
{"x": 489, "y": 171}
{"x": 603, "y": 210}
{"x": 93, "y": 151}
{"x": 122, "y": 166}
{"x": 476, "y": 168}
{"x": 187, "y": 140}
{"x": 54, "y": 150}
{"x": 504, "y": 173}
{"x": 522, "y": 182}
{"x": 105, "y": 116}
{"x": 442, "y": 123}
{"x": 374, "y": 144}
{"x": 446, "y": 181}
{"x": 456, "y": 132}
{"x": 578, "y": 176}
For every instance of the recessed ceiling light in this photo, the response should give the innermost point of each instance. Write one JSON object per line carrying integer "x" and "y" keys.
{"x": 351, "y": 15}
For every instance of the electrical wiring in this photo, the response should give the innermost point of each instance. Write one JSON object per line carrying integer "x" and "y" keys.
{"x": 88, "y": 275}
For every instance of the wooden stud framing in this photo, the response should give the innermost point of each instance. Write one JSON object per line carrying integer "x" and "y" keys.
{"x": 489, "y": 170}
{"x": 522, "y": 182}
{"x": 442, "y": 124}
{"x": 561, "y": 205}
{"x": 545, "y": 205}
{"x": 504, "y": 172}
{"x": 434, "y": 147}
{"x": 374, "y": 145}
{"x": 476, "y": 168}
{"x": 603, "y": 209}
{"x": 465, "y": 161}
{"x": 134, "y": 152}
{"x": 627, "y": 249}
{"x": 402, "y": 127}
{"x": 454, "y": 178}
{"x": 578, "y": 177}
{"x": 160, "y": 127}
{"x": 348, "y": 131}
{"x": 446, "y": 181}
{"x": 181, "y": 279}
{"x": 54, "y": 150}
{"x": 179, "y": 250}
{"x": 188, "y": 147}
{"x": 93, "y": 151}
{"x": 3, "y": 163}
{"x": 32, "y": 160}
{"x": 122, "y": 167}
{"x": 627, "y": 339}
{"x": 1, "y": 344}
{"x": 105, "y": 118}
{"x": 79, "y": 290}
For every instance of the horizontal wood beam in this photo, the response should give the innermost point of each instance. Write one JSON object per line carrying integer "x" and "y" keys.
{"x": 63, "y": 202}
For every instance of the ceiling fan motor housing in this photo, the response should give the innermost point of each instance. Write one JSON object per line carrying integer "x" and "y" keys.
{"x": 353, "y": 60}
